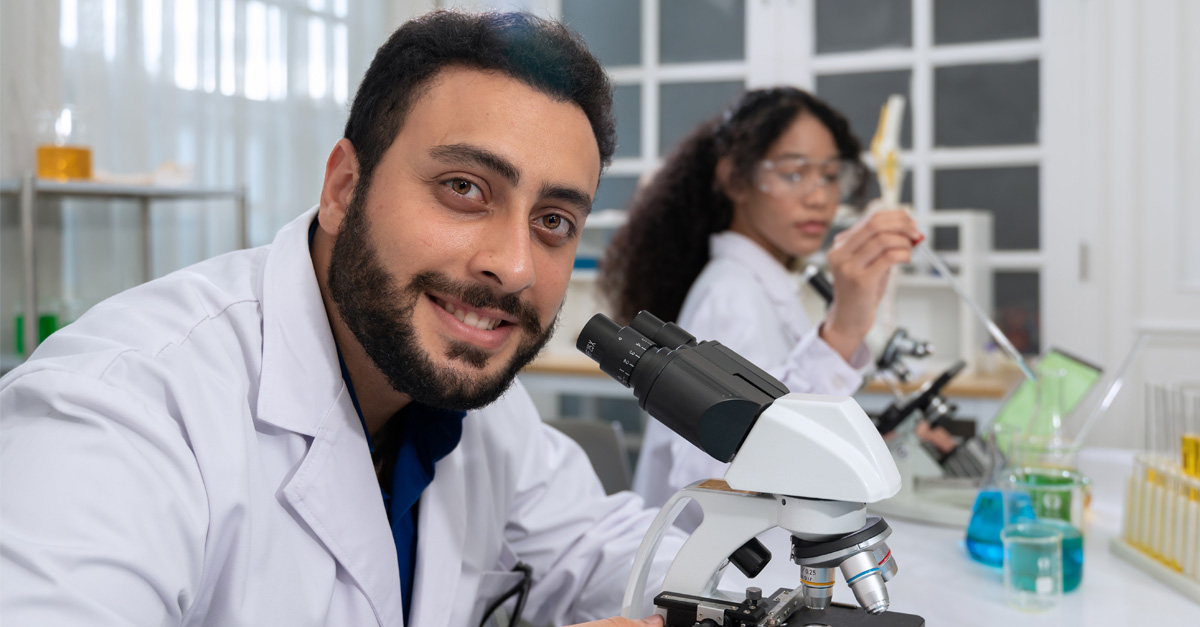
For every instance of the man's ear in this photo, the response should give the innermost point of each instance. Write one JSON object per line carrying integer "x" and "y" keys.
{"x": 341, "y": 176}
{"x": 728, "y": 184}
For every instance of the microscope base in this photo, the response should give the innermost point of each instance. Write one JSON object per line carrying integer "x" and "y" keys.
{"x": 847, "y": 616}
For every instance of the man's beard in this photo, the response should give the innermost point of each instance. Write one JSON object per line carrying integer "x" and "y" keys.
{"x": 379, "y": 314}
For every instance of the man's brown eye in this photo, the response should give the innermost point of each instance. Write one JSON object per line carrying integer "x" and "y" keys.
{"x": 552, "y": 221}
{"x": 462, "y": 186}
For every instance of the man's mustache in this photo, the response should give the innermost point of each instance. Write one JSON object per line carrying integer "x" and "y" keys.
{"x": 479, "y": 296}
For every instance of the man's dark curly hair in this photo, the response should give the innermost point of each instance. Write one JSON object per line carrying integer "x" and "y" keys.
{"x": 542, "y": 54}
{"x": 653, "y": 259}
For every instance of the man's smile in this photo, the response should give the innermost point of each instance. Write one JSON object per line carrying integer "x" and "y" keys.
{"x": 485, "y": 328}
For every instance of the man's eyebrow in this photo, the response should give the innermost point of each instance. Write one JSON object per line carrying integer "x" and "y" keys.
{"x": 466, "y": 154}
{"x": 570, "y": 195}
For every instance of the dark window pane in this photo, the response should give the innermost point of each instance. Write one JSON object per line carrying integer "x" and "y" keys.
{"x": 1010, "y": 194}
{"x": 965, "y": 21}
{"x": 861, "y": 96}
{"x": 681, "y": 106}
{"x": 701, "y": 30}
{"x": 986, "y": 105}
{"x": 849, "y": 25}
{"x": 614, "y": 192}
{"x": 627, "y": 107}
{"x": 945, "y": 238}
{"x": 612, "y": 29}
{"x": 1017, "y": 305}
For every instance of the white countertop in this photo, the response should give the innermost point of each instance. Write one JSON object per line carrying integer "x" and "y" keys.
{"x": 938, "y": 581}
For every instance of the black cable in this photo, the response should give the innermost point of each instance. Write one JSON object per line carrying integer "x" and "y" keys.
{"x": 521, "y": 589}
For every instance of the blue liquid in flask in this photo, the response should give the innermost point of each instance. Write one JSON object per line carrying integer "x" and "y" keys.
{"x": 983, "y": 532}
{"x": 987, "y": 521}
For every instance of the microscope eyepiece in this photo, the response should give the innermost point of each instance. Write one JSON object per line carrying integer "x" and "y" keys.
{"x": 703, "y": 391}
{"x": 615, "y": 348}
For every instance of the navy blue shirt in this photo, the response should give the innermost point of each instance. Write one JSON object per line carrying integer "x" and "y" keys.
{"x": 409, "y": 446}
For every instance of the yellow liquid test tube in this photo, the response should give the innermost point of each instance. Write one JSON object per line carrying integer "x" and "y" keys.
{"x": 1191, "y": 454}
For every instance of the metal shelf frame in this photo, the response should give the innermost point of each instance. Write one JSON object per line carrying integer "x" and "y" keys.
{"x": 29, "y": 187}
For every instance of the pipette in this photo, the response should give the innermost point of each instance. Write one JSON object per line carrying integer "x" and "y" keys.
{"x": 993, "y": 330}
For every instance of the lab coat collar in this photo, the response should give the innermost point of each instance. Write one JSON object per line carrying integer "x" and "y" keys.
{"x": 300, "y": 380}
{"x": 334, "y": 491}
{"x": 765, "y": 269}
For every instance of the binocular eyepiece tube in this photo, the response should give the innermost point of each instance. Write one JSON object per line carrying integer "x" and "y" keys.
{"x": 703, "y": 391}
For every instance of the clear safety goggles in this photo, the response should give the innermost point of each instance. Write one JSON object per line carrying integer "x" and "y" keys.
{"x": 796, "y": 177}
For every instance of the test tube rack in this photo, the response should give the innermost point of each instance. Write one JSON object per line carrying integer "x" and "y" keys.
{"x": 1160, "y": 527}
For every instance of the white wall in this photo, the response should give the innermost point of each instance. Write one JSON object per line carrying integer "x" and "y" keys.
{"x": 1123, "y": 215}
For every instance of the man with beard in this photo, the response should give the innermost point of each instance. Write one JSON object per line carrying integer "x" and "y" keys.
{"x": 325, "y": 431}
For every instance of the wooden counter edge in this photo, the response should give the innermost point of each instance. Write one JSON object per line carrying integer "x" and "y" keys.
{"x": 968, "y": 385}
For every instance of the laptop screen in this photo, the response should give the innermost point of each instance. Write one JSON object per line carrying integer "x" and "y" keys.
{"x": 1079, "y": 379}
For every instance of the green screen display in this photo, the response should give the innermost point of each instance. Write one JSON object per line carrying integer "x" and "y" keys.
{"x": 1080, "y": 376}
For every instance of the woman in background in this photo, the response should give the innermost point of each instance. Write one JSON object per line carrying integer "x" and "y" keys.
{"x": 710, "y": 242}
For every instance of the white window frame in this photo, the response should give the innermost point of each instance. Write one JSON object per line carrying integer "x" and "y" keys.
{"x": 650, "y": 74}
{"x": 923, "y": 158}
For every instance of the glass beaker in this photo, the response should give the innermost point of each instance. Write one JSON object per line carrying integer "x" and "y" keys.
{"x": 1033, "y": 576}
{"x": 1055, "y": 497}
{"x": 61, "y": 152}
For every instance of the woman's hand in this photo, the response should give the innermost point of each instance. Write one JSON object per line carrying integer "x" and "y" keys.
{"x": 652, "y": 621}
{"x": 860, "y": 261}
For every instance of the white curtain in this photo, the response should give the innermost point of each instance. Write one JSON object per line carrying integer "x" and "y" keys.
{"x": 234, "y": 92}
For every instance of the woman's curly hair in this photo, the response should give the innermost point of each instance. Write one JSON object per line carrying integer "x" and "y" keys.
{"x": 654, "y": 258}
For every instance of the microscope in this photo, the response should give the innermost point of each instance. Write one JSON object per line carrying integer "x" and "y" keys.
{"x": 806, "y": 463}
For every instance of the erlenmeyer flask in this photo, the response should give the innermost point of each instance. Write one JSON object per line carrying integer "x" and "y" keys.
{"x": 1045, "y": 441}
{"x": 988, "y": 515}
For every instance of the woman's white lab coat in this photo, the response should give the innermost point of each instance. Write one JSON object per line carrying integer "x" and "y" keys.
{"x": 187, "y": 454}
{"x": 746, "y": 300}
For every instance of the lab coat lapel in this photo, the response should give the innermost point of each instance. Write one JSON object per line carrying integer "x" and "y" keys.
{"x": 441, "y": 535}
{"x": 336, "y": 493}
{"x": 334, "y": 490}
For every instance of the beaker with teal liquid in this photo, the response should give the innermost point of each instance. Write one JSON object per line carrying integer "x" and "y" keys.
{"x": 1054, "y": 496}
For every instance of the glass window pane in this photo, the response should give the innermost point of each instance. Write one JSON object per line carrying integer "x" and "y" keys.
{"x": 1017, "y": 304}
{"x": 945, "y": 238}
{"x": 614, "y": 192}
{"x": 701, "y": 30}
{"x": 1011, "y": 194}
{"x": 612, "y": 29}
{"x": 627, "y": 107}
{"x": 681, "y": 106}
{"x": 851, "y": 25}
{"x": 986, "y": 105}
{"x": 965, "y": 21}
{"x": 860, "y": 97}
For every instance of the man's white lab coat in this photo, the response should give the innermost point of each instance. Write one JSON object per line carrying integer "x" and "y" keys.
{"x": 745, "y": 299}
{"x": 187, "y": 454}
